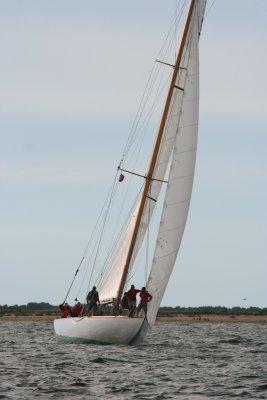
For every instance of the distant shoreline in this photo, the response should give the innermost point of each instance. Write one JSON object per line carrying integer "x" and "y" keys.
{"x": 176, "y": 319}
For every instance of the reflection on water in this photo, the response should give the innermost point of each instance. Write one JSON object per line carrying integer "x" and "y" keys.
{"x": 194, "y": 361}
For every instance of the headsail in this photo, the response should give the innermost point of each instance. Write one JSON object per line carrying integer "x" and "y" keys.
{"x": 182, "y": 167}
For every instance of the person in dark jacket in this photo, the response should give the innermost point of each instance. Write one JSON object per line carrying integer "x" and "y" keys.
{"x": 92, "y": 300}
{"x": 124, "y": 304}
{"x": 124, "y": 301}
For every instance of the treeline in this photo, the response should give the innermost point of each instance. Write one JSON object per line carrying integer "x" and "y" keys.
{"x": 29, "y": 309}
{"x": 218, "y": 310}
{"x": 31, "y": 306}
{"x": 48, "y": 309}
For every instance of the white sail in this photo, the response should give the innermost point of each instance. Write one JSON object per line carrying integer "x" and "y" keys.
{"x": 182, "y": 168}
{"x": 108, "y": 287}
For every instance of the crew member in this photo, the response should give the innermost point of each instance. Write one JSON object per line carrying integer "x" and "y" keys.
{"x": 131, "y": 296}
{"x": 66, "y": 310}
{"x": 145, "y": 297}
{"x": 78, "y": 309}
{"x": 92, "y": 300}
{"x": 124, "y": 304}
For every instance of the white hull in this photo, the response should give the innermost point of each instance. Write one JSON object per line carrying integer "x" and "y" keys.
{"x": 104, "y": 329}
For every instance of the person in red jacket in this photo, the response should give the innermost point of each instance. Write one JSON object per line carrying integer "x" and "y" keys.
{"x": 131, "y": 296}
{"x": 78, "y": 309}
{"x": 66, "y": 310}
{"x": 145, "y": 297}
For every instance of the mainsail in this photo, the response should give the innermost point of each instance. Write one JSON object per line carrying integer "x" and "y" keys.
{"x": 179, "y": 139}
{"x": 182, "y": 168}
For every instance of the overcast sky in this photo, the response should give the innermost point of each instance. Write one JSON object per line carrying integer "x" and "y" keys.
{"x": 72, "y": 74}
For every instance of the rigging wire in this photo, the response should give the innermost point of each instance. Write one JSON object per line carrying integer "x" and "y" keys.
{"x": 99, "y": 225}
{"x": 102, "y": 230}
{"x": 148, "y": 238}
{"x": 149, "y": 205}
{"x": 139, "y": 255}
{"x": 137, "y": 126}
{"x": 183, "y": 59}
{"x": 207, "y": 12}
{"x": 90, "y": 239}
{"x": 151, "y": 81}
{"x": 147, "y": 118}
{"x": 115, "y": 244}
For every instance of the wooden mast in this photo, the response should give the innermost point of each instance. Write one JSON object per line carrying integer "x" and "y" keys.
{"x": 151, "y": 169}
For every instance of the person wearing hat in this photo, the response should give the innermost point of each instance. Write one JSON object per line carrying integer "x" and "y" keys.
{"x": 131, "y": 296}
{"x": 92, "y": 299}
{"x": 145, "y": 297}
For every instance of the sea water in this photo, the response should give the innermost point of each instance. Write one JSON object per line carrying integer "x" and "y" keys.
{"x": 177, "y": 361}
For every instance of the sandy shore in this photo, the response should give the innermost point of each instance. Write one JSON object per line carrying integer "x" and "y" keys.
{"x": 176, "y": 319}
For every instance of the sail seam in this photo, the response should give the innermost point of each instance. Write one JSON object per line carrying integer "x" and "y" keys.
{"x": 186, "y": 151}
{"x": 192, "y": 99}
{"x": 175, "y": 204}
{"x": 178, "y": 228}
{"x": 187, "y": 126}
{"x": 165, "y": 255}
{"x": 181, "y": 177}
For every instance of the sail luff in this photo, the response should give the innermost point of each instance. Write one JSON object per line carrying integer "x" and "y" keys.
{"x": 155, "y": 154}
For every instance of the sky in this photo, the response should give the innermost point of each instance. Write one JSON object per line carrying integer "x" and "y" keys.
{"x": 72, "y": 75}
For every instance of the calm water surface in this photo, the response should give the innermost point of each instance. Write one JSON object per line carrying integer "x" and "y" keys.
{"x": 194, "y": 361}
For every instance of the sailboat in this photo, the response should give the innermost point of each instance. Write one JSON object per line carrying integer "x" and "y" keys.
{"x": 171, "y": 170}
